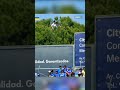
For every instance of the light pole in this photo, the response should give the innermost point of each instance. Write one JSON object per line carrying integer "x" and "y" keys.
{"x": 39, "y": 69}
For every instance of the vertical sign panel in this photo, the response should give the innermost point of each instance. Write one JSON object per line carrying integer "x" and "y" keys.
{"x": 108, "y": 53}
{"x": 80, "y": 49}
{"x": 88, "y": 69}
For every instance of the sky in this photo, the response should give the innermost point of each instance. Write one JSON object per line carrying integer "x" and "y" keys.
{"x": 80, "y": 5}
{"x": 80, "y": 20}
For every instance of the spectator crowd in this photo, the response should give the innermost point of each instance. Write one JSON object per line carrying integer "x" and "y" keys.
{"x": 67, "y": 72}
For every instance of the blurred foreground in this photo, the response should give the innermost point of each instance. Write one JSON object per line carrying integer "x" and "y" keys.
{"x": 59, "y": 83}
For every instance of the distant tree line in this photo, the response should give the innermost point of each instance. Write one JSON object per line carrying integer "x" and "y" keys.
{"x": 64, "y": 9}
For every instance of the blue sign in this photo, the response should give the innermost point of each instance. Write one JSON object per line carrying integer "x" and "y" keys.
{"x": 80, "y": 49}
{"x": 107, "y": 53}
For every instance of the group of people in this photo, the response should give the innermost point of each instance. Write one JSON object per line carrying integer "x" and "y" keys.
{"x": 66, "y": 72}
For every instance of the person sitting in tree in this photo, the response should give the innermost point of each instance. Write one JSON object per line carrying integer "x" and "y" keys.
{"x": 53, "y": 25}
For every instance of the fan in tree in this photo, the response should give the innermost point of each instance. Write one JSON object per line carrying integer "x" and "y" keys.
{"x": 55, "y": 23}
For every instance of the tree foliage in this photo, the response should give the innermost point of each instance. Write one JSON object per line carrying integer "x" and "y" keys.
{"x": 98, "y": 7}
{"x": 16, "y": 22}
{"x": 63, "y": 34}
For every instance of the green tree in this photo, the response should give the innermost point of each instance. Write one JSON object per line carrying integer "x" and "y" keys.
{"x": 16, "y": 22}
{"x": 64, "y": 34}
{"x": 98, "y": 7}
